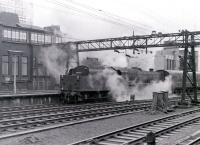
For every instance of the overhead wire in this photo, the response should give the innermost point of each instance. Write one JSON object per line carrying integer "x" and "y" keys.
{"x": 111, "y": 15}
{"x": 117, "y": 22}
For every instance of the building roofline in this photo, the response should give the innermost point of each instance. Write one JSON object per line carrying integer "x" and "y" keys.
{"x": 28, "y": 27}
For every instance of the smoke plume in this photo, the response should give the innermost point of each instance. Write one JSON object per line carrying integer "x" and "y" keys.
{"x": 143, "y": 61}
{"x": 54, "y": 59}
{"x": 156, "y": 86}
{"x": 117, "y": 85}
{"x": 121, "y": 91}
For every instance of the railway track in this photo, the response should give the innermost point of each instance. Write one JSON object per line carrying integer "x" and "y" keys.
{"x": 72, "y": 110}
{"x": 137, "y": 134}
{"x": 194, "y": 139}
{"x": 81, "y": 106}
{"x": 56, "y": 108}
{"x": 25, "y": 111}
{"x": 8, "y": 126}
{"x": 17, "y": 122}
{"x": 25, "y": 107}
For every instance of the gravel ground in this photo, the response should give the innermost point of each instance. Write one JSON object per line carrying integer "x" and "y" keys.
{"x": 180, "y": 135}
{"x": 73, "y": 133}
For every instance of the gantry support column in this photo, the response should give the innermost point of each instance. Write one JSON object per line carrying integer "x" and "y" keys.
{"x": 189, "y": 66}
{"x": 185, "y": 68}
{"x": 194, "y": 85}
{"x": 77, "y": 55}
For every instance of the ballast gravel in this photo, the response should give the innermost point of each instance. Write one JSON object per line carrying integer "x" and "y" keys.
{"x": 70, "y": 134}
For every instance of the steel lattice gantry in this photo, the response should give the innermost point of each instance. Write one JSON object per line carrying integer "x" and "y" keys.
{"x": 183, "y": 39}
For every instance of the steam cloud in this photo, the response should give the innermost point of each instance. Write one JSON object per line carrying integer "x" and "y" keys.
{"x": 155, "y": 86}
{"x": 121, "y": 91}
{"x": 54, "y": 59}
{"x": 143, "y": 61}
{"x": 117, "y": 85}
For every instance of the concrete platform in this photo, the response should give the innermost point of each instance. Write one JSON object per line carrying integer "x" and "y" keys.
{"x": 8, "y": 98}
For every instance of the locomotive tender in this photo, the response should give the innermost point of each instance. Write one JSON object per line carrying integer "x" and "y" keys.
{"x": 82, "y": 84}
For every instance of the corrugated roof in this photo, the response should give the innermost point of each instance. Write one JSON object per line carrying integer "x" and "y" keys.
{"x": 30, "y": 27}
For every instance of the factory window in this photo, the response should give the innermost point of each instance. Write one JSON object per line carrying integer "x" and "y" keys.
{"x": 7, "y": 33}
{"x": 14, "y": 58}
{"x": 34, "y": 37}
{"x": 24, "y": 66}
{"x": 47, "y": 39}
{"x": 23, "y": 36}
{"x": 58, "y": 39}
{"x": 40, "y": 38}
{"x": 37, "y": 38}
{"x": 171, "y": 64}
{"x": 5, "y": 65}
{"x": 15, "y": 35}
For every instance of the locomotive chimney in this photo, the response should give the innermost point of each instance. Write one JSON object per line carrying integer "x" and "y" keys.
{"x": 151, "y": 69}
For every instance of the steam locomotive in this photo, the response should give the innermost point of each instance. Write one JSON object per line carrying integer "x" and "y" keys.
{"x": 82, "y": 84}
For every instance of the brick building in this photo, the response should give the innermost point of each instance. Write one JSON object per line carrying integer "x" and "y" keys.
{"x": 171, "y": 59}
{"x": 19, "y": 43}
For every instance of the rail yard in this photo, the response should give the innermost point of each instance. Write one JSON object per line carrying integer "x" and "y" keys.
{"x": 164, "y": 125}
{"x": 76, "y": 72}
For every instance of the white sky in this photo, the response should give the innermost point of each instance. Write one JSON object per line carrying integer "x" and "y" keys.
{"x": 160, "y": 15}
{"x": 74, "y": 16}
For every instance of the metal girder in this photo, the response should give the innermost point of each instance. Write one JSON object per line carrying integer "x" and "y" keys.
{"x": 139, "y": 42}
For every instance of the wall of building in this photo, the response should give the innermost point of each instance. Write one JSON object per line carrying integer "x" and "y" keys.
{"x": 167, "y": 59}
{"x": 23, "y": 42}
{"x": 159, "y": 65}
{"x": 171, "y": 59}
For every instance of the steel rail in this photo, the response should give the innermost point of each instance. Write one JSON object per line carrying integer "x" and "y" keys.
{"x": 74, "y": 109}
{"x": 50, "y": 121}
{"x": 28, "y": 123}
{"x": 65, "y": 109}
{"x": 136, "y": 134}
